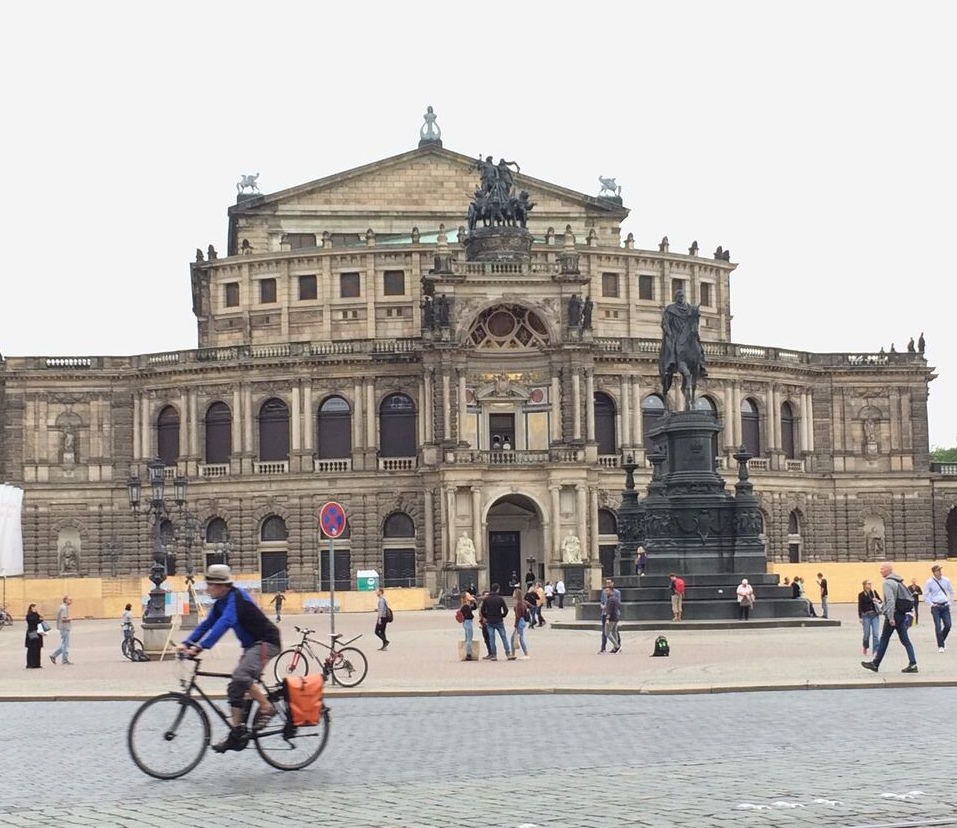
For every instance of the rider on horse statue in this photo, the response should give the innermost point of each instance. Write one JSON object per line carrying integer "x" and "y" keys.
{"x": 681, "y": 351}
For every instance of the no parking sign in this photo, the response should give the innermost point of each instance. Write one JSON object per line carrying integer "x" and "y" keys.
{"x": 332, "y": 519}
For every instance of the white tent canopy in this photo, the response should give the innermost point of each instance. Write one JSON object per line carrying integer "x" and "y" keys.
{"x": 11, "y": 532}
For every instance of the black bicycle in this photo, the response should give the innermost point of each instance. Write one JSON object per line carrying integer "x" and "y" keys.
{"x": 132, "y": 648}
{"x": 347, "y": 665}
{"x": 169, "y": 734}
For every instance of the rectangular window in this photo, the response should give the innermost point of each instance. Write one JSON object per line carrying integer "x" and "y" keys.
{"x": 394, "y": 283}
{"x": 706, "y": 298}
{"x": 307, "y": 288}
{"x": 646, "y": 287}
{"x": 609, "y": 285}
{"x": 231, "y": 294}
{"x": 676, "y": 285}
{"x": 298, "y": 241}
{"x": 267, "y": 291}
{"x": 398, "y": 567}
{"x": 349, "y": 285}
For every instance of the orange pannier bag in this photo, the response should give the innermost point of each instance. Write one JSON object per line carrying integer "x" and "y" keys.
{"x": 304, "y": 694}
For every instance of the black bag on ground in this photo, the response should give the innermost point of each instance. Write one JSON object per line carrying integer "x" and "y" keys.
{"x": 662, "y": 648}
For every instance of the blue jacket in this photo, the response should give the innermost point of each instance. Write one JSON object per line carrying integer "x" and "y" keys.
{"x": 238, "y": 612}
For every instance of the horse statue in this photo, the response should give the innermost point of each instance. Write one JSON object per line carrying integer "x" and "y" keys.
{"x": 247, "y": 182}
{"x": 609, "y": 187}
{"x": 681, "y": 351}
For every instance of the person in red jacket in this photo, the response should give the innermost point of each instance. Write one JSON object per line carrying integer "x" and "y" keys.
{"x": 677, "y": 596}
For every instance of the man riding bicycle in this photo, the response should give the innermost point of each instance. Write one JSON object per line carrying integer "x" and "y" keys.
{"x": 235, "y": 609}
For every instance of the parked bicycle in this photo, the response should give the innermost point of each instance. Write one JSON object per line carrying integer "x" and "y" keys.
{"x": 347, "y": 665}
{"x": 5, "y": 618}
{"x": 131, "y": 647}
{"x": 169, "y": 734}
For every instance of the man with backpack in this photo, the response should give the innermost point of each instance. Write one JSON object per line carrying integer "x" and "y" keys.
{"x": 898, "y": 602}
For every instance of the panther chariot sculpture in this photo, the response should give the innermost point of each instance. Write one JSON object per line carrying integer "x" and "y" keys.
{"x": 609, "y": 188}
{"x": 494, "y": 203}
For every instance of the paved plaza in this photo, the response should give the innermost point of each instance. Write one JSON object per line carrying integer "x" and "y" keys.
{"x": 566, "y": 738}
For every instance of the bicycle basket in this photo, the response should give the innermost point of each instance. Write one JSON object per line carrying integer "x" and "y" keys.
{"x": 304, "y": 697}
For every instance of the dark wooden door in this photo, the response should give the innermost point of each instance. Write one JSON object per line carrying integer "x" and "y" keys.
{"x": 504, "y": 557}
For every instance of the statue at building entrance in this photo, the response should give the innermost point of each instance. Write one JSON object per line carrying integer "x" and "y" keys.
{"x": 681, "y": 351}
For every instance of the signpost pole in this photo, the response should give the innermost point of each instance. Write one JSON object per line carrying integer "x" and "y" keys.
{"x": 332, "y": 586}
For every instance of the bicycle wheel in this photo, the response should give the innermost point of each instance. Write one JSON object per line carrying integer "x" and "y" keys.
{"x": 126, "y": 648}
{"x": 291, "y": 662}
{"x": 137, "y": 651}
{"x": 168, "y": 735}
{"x": 285, "y": 746}
{"x": 349, "y": 667}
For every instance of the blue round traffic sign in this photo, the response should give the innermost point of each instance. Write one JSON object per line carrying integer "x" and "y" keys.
{"x": 332, "y": 519}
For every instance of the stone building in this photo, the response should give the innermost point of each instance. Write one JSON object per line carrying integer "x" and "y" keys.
{"x": 348, "y": 350}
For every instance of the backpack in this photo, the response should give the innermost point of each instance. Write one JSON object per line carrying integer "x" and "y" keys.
{"x": 388, "y": 614}
{"x": 459, "y": 615}
{"x": 662, "y": 647}
{"x": 904, "y": 602}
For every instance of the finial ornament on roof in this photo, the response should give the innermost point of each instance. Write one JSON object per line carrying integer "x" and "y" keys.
{"x": 247, "y": 182}
{"x": 431, "y": 132}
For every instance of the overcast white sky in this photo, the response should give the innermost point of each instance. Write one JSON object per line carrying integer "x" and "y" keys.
{"x": 816, "y": 141}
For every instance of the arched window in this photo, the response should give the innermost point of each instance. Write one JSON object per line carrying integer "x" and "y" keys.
{"x": 605, "y": 423}
{"x": 335, "y": 429}
{"x": 219, "y": 433}
{"x": 794, "y": 523}
{"x": 167, "y": 435}
{"x": 398, "y": 525}
{"x": 273, "y": 529}
{"x": 787, "y": 430}
{"x": 707, "y": 405}
{"x": 607, "y": 522}
{"x": 274, "y": 430}
{"x": 652, "y": 410}
{"x": 216, "y": 530}
{"x": 750, "y": 427}
{"x": 397, "y": 426}
{"x": 607, "y": 541}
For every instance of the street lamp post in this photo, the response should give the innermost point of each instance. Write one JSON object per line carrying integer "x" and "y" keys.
{"x": 156, "y": 622}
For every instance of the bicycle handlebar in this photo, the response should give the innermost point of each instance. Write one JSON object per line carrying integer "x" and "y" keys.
{"x": 303, "y": 630}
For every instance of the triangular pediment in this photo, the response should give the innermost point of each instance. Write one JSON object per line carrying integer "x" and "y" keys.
{"x": 422, "y": 188}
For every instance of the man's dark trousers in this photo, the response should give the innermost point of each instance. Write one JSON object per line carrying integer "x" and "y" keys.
{"x": 900, "y": 625}
{"x": 941, "y": 614}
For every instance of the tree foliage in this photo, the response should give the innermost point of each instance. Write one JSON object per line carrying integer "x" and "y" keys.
{"x": 943, "y": 455}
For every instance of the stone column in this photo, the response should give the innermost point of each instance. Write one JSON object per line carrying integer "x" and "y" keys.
{"x": 729, "y": 417}
{"x": 624, "y": 414}
{"x": 556, "y": 413}
{"x": 450, "y": 525}
{"x": 446, "y": 408}
{"x": 308, "y": 421}
{"x": 461, "y": 402}
{"x": 296, "y": 425}
{"x": 248, "y": 444}
{"x": 146, "y": 432}
{"x": 137, "y": 445}
{"x": 371, "y": 442}
{"x": 444, "y": 551}
{"x": 420, "y": 420}
{"x": 477, "y": 537}
{"x": 358, "y": 432}
{"x": 194, "y": 451}
{"x": 593, "y": 514}
{"x": 638, "y": 437}
{"x": 736, "y": 412}
{"x": 810, "y": 421}
{"x": 237, "y": 424}
{"x": 429, "y": 529}
{"x": 553, "y": 553}
{"x": 589, "y": 404}
{"x": 184, "y": 426}
{"x": 428, "y": 412}
{"x": 581, "y": 506}
{"x": 804, "y": 422}
{"x": 576, "y": 406}
{"x": 772, "y": 418}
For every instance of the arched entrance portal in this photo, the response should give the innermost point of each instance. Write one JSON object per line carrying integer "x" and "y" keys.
{"x": 515, "y": 539}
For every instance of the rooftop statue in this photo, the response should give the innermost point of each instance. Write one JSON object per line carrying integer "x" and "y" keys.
{"x": 247, "y": 182}
{"x": 430, "y": 132}
{"x": 681, "y": 351}
{"x": 494, "y": 204}
{"x": 609, "y": 188}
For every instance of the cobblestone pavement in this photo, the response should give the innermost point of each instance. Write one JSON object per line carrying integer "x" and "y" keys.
{"x": 583, "y": 761}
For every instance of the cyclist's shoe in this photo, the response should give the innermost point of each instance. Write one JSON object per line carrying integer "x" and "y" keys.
{"x": 263, "y": 717}
{"x": 237, "y": 739}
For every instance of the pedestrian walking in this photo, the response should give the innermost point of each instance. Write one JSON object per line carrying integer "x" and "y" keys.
{"x": 467, "y": 608}
{"x": 745, "y": 594}
{"x": 560, "y": 592}
{"x": 63, "y": 624}
{"x": 917, "y": 592}
{"x": 33, "y": 640}
{"x": 494, "y": 611}
{"x": 822, "y": 583}
{"x": 896, "y": 606}
{"x": 613, "y": 613}
{"x": 484, "y": 626}
{"x": 278, "y": 600}
{"x": 540, "y": 592}
{"x": 522, "y": 612}
{"x": 383, "y": 614}
{"x": 603, "y": 601}
{"x": 642, "y": 561}
{"x": 869, "y": 611}
{"x": 549, "y": 594}
{"x": 531, "y": 602}
{"x": 939, "y": 594}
